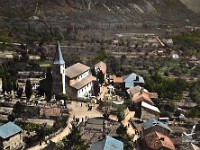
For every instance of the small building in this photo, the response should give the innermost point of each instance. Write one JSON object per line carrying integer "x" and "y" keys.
{"x": 108, "y": 143}
{"x": 101, "y": 66}
{"x": 149, "y": 111}
{"x": 153, "y": 125}
{"x": 11, "y": 137}
{"x": 133, "y": 80}
{"x": 158, "y": 141}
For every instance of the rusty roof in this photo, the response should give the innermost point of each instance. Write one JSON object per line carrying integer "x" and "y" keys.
{"x": 142, "y": 96}
{"x": 156, "y": 140}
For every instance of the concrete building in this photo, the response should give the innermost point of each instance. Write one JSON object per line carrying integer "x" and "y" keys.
{"x": 10, "y": 137}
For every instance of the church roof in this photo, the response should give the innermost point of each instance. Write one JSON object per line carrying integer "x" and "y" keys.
{"x": 76, "y": 70}
{"x": 78, "y": 85}
{"x": 58, "y": 59}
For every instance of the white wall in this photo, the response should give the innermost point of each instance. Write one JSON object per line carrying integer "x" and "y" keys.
{"x": 85, "y": 90}
{"x": 83, "y": 75}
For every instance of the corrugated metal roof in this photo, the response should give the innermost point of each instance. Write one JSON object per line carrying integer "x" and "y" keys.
{"x": 152, "y": 122}
{"x": 58, "y": 58}
{"x": 109, "y": 143}
{"x": 76, "y": 70}
{"x": 151, "y": 107}
{"x": 131, "y": 79}
{"x": 9, "y": 129}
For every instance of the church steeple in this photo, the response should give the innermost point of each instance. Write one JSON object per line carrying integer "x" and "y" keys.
{"x": 58, "y": 58}
{"x": 59, "y": 65}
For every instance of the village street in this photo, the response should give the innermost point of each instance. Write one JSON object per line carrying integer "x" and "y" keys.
{"x": 78, "y": 111}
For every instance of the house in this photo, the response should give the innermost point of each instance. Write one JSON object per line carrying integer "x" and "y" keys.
{"x": 158, "y": 141}
{"x": 149, "y": 111}
{"x": 136, "y": 89}
{"x": 108, "y": 143}
{"x": 133, "y": 80}
{"x": 141, "y": 96}
{"x": 79, "y": 81}
{"x": 10, "y": 137}
{"x": 137, "y": 100}
{"x": 101, "y": 66}
{"x": 153, "y": 125}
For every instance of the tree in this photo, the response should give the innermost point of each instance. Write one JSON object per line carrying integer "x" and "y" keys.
{"x": 28, "y": 89}
{"x": 74, "y": 141}
{"x": 19, "y": 92}
{"x": 11, "y": 117}
{"x": 100, "y": 77}
{"x": 18, "y": 109}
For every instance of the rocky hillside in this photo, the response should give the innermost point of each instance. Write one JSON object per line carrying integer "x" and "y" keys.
{"x": 98, "y": 10}
{"x": 193, "y": 5}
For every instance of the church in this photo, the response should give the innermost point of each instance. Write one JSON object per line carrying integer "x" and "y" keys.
{"x": 75, "y": 81}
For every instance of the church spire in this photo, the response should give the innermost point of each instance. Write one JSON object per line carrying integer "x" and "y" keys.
{"x": 58, "y": 58}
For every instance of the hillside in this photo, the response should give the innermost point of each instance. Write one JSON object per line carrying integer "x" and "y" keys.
{"x": 50, "y": 20}
{"x": 193, "y": 5}
{"x": 98, "y": 10}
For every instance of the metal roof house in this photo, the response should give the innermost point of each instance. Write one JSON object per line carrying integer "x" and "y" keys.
{"x": 10, "y": 136}
{"x": 108, "y": 143}
{"x": 133, "y": 80}
{"x": 155, "y": 125}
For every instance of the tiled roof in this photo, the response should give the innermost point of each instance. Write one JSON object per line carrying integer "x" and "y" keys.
{"x": 141, "y": 96}
{"x": 9, "y": 129}
{"x": 76, "y": 70}
{"x": 109, "y": 143}
{"x": 134, "y": 90}
{"x": 194, "y": 147}
{"x": 118, "y": 80}
{"x": 131, "y": 79}
{"x": 153, "y": 122}
{"x": 150, "y": 107}
{"x": 58, "y": 58}
{"x": 102, "y": 66}
{"x": 78, "y": 85}
{"x": 50, "y": 111}
{"x": 156, "y": 140}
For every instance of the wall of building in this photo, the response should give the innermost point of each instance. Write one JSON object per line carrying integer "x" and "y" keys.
{"x": 13, "y": 143}
{"x": 85, "y": 90}
{"x": 148, "y": 114}
{"x": 80, "y": 77}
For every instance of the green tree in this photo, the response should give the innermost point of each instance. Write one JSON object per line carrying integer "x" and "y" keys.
{"x": 28, "y": 89}
{"x": 18, "y": 109}
{"x": 19, "y": 92}
{"x": 100, "y": 77}
{"x": 74, "y": 141}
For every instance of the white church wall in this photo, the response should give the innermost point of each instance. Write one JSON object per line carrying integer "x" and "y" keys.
{"x": 80, "y": 77}
{"x": 85, "y": 90}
